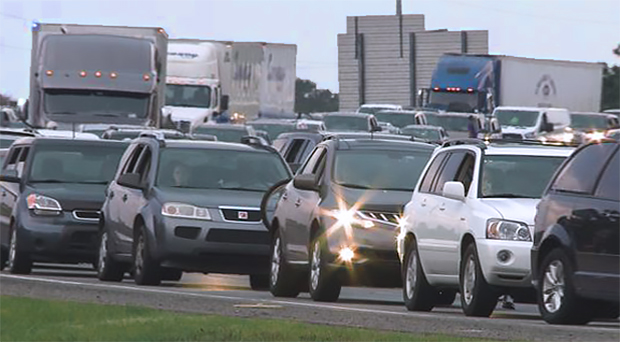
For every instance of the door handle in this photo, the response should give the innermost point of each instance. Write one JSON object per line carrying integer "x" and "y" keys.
{"x": 423, "y": 204}
{"x": 298, "y": 202}
{"x": 442, "y": 207}
{"x": 111, "y": 195}
{"x": 3, "y": 193}
{"x": 124, "y": 197}
{"x": 285, "y": 196}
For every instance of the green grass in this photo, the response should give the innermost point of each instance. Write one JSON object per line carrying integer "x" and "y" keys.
{"x": 26, "y": 319}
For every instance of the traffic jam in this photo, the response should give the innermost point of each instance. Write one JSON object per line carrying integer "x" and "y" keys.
{"x": 156, "y": 164}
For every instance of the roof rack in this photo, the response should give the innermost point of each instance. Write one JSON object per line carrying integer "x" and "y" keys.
{"x": 257, "y": 142}
{"x": 468, "y": 141}
{"x": 532, "y": 142}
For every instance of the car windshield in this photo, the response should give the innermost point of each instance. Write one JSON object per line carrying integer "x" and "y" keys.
{"x": 379, "y": 169}
{"x": 273, "y": 129}
{"x": 511, "y": 176}
{"x": 227, "y": 134}
{"x": 422, "y": 133}
{"x": 517, "y": 118}
{"x": 397, "y": 119}
{"x": 219, "y": 169}
{"x": 188, "y": 96}
{"x": 96, "y": 103}
{"x": 584, "y": 121}
{"x": 449, "y": 122}
{"x": 75, "y": 163}
{"x": 372, "y": 110}
{"x": 342, "y": 123}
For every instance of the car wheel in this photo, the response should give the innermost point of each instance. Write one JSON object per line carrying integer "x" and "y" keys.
{"x": 283, "y": 280}
{"x": 259, "y": 282}
{"x": 445, "y": 297}
{"x": 108, "y": 269}
{"x": 557, "y": 301}
{"x": 146, "y": 270}
{"x": 478, "y": 298}
{"x": 324, "y": 284}
{"x": 4, "y": 256}
{"x": 418, "y": 294}
{"x": 171, "y": 274}
{"x": 18, "y": 261}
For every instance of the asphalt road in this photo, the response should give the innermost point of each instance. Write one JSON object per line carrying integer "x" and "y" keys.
{"x": 359, "y": 307}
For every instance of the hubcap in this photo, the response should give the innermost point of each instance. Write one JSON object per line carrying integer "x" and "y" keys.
{"x": 553, "y": 286}
{"x": 12, "y": 249}
{"x": 139, "y": 255}
{"x": 412, "y": 274}
{"x": 275, "y": 262}
{"x": 469, "y": 280}
{"x": 103, "y": 251}
{"x": 315, "y": 268}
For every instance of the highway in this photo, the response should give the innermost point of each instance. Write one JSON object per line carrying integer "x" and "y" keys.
{"x": 358, "y": 307}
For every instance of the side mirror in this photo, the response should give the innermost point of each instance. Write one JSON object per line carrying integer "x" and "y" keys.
{"x": 224, "y": 103}
{"x": 131, "y": 180}
{"x": 9, "y": 176}
{"x": 305, "y": 182}
{"x": 454, "y": 190}
{"x": 495, "y": 126}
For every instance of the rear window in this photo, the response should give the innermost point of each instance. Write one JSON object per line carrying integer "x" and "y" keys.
{"x": 580, "y": 173}
{"x": 346, "y": 123}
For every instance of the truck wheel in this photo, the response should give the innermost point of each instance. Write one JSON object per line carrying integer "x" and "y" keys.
{"x": 557, "y": 301}
{"x": 324, "y": 284}
{"x": 108, "y": 269}
{"x": 478, "y": 298}
{"x": 171, "y": 274}
{"x": 418, "y": 294}
{"x": 146, "y": 270}
{"x": 19, "y": 262}
{"x": 283, "y": 280}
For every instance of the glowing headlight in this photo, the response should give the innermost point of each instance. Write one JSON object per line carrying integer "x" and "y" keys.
{"x": 182, "y": 210}
{"x": 351, "y": 217}
{"x": 568, "y": 137}
{"x": 346, "y": 254}
{"x": 507, "y": 230}
{"x": 43, "y": 205}
{"x": 596, "y": 136}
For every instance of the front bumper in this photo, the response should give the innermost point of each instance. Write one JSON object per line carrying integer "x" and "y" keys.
{"x": 212, "y": 246}
{"x": 61, "y": 238}
{"x": 512, "y": 271}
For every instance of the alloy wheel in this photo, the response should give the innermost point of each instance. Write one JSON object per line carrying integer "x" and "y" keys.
{"x": 103, "y": 252}
{"x": 275, "y": 262}
{"x": 469, "y": 281}
{"x": 139, "y": 259}
{"x": 553, "y": 286}
{"x": 12, "y": 249}
{"x": 412, "y": 273}
{"x": 315, "y": 267}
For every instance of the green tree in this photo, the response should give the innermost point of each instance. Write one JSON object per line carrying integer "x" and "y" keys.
{"x": 309, "y": 99}
{"x": 6, "y": 100}
{"x": 611, "y": 85}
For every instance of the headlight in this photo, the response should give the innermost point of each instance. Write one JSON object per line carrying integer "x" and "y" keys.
{"x": 350, "y": 217}
{"x": 507, "y": 230}
{"x": 568, "y": 137}
{"x": 596, "y": 136}
{"x": 43, "y": 205}
{"x": 530, "y": 135}
{"x": 182, "y": 210}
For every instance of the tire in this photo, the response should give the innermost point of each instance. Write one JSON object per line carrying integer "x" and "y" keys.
{"x": 171, "y": 274}
{"x": 607, "y": 310}
{"x": 478, "y": 298}
{"x": 18, "y": 261}
{"x": 107, "y": 268}
{"x": 4, "y": 256}
{"x": 323, "y": 284}
{"x": 557, "y": 301}
{"x": 418, "y": 294}
{"x": 445, "y": 297}
{"x": 283, "y": 280}
{"x": 146, "y": 270}
{"x": 265, "y": 201}
{"x": 259, "y": 282}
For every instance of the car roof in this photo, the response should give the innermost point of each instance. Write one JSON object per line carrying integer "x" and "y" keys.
{"x": 283, "y": 122}
{"x": 17, "y": 131}
{"x": 516, "y": 148}
{"x": 378, "y": 105}
{"x": 365, "y": 115}
{"x": 438, "y": 128}
{"x": 353, "y": 144}
{"x": 536, "y": 109}
{"x": 213, "y": 145}
{"x": 67, "y": 141}
{"x": 223, "y": 126}
{"x": 607, "y": 115}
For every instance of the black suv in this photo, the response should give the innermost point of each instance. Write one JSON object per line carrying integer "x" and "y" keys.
{"x": 192, "y": 206}
{"x": 52, "y": 190}
{"x": 575, "y": 256}
{"x": 337, "y": 220}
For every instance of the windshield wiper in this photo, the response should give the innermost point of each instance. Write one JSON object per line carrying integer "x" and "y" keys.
{"x": 506, "y": 195}
{"x": 108, "y": 115}
{"x": 354, "y": 186}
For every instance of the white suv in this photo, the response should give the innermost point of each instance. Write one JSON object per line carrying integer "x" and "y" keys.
{"x": 469, "y": 224}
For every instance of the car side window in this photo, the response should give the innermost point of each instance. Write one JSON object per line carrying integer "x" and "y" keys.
{"x": 312, "y": 165}
{"x": 305, "y": 151}
{"x": 279, "y": 144}
{"x": 21, "y": 161}
{"x": 11, "y": 161}
{"x": 580, "y": 173}
{"x": 609, "y": 185}
{"x": 465, "y": 174}
{"x": 132, "y": 160}
{"x": 144, "y": 163}
{"x": 449, "y": 171}
{"x": 431, "y": 172}
{"x": 293, "y": 150}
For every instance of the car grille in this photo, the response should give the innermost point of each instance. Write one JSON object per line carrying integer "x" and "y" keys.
{"x": 240, "y": 214}
{"x": 187, "y": 232}
{"x": 512, "y": 136}
{"x": 86, "y": 215}
{"x": 389, "y": 218}
{"x": 238, "y": 236}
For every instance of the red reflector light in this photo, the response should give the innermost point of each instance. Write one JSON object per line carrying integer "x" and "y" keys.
{"x": 97, "y": 73}
{"x": 82, "y": 73}
{"x": 113, "y": 75}
{"x": 458, "y": 89}
{"x": 436, "y": 89}
{"x": 50, "y": 73}
{"x": 470, "y": 90}
{"x": 146, "y": 77}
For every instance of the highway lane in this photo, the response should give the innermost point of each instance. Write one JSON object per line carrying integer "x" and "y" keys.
{"x": 231, "y": 295}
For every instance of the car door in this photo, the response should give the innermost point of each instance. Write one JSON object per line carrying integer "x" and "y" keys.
{"x": 9, "y": 193}
{"x": 439, "y": 231}
{"x": 133, "y": 200}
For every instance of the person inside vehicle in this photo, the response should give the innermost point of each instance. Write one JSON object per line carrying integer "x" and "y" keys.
{"x": 472, "y": 127}
{"x": 181, "y": 175}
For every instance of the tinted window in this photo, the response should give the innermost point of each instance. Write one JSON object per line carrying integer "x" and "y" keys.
{"x": 188, "y": 96}
{"x": 465, "y": 173}
{"x": 279, "y": 144}
{"x": 584, "y": 121}
{"x": 388, "y": 170}
{"x": 131, "y": 163}
{"x": 96, "y": 102}
{"x": 432, "y": 172}
{"x": 346, "y": 123}
{"x": 397, "y": 119}
{"x": 520, "y": 118}
{"x": 219, "y": 169}
{"x": 12, "y": 159}
{"x": 313, "y": 162}
{"x": 609, "y": 186}
{"x": 581, "y": 172}
{"x": 293, "y": 151}
{"x": 144, "y": 164}
{"x": 449, "y": 122}
{"x": 449, "y": 171}
{"x": 75, "y": 164}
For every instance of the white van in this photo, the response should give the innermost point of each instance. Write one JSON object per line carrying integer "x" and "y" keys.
{"x": 531, "y": 122}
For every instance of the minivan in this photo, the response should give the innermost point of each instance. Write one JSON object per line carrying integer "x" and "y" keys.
{"x": 531, "y": 122}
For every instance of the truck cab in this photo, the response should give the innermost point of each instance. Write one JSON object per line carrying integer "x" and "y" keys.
{"x": 533, "y": 122}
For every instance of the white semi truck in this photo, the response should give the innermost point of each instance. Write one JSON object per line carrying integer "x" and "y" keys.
{"x": 206, "y": 78}
{"x": 96, "y": 74}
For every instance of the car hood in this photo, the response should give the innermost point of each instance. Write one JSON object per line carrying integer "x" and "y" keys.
{"x": 389, "y": 201}
{"x": 514, "y": 209}
{"x": 210, "y": 198}
{"x": 193, "y": 115}
{"x": 72, "y": 196}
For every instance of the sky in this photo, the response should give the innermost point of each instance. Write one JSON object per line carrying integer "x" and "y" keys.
{"x": 584, "y": 30}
